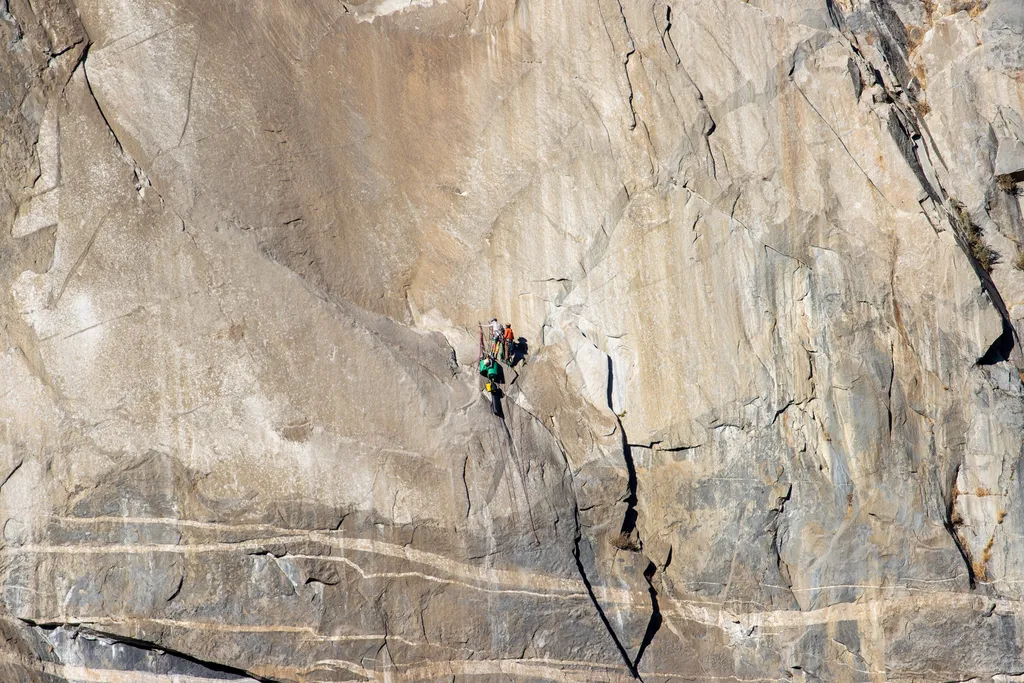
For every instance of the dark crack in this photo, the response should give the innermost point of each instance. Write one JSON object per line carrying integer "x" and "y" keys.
{"x": 99, "y": 107}
{"x": 1001, "y": 348}
{"x": 951, "y": 521}
{"x": 581, "y": 569}
{"x": 17, "y": 466}
{"x": 230, "y": 673}
{"x": 593, "y": 598}
{"x": 907, "y": 127}
{"x": 892, "y": 380}
{"x": 628, "y": 530}
{"x": 630, "y": 51}
{"x": 654, "y": 625}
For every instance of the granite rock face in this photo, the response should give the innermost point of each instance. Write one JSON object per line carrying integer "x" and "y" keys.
{"x": 765, "y": 256}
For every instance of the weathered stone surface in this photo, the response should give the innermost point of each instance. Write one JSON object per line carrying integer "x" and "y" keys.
{"x": 764, "y": 255}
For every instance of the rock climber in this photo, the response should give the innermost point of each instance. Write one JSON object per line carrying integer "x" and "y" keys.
{"x": 496, "y": 336}
{"x": 509, "y": 345}
{"x": 489, "y": 369}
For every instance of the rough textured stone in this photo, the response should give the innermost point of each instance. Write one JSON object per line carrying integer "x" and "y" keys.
{"x": 764, "y": 256}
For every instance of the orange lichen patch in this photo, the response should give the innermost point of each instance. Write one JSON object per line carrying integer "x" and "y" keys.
{"x": 915, "y": 36}
{"x": 981, "y": 568}
{"x": 929, "y": 10}
{"x": 981, "y": 492}
{"x": 1000, "y": 516}
{"x": 972, "y": 7}
{"x": 955, "y": 518}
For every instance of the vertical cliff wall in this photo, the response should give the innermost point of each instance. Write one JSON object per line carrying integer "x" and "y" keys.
{"x": 765, "y": 255}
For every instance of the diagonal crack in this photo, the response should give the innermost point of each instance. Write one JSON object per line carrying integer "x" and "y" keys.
{"x": 146, "y": 646}
{"x": 654, "y": 625}
{"x": 581, "y": 569}
{"x": 905, "y": 125}
{"x": 951, "y": 521}
{"x": 17, "y": 466}
{"x": 593, "y": 597}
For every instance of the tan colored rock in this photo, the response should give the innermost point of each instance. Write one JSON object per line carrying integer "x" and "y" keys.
{"x": 769, "y": 418}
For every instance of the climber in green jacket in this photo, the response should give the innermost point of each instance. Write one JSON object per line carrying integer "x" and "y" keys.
{"x": 489, "y": 369}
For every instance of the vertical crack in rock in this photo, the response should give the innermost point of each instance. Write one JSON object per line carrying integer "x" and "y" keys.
{"x": 892, "y": 380}
{"x": 630, "y": 51}
{"x": 776, "y": 545}
{"x": 581, "y": 567}
{"x": 952, "y": 522}
{"x": 465, "y": 484}
{"x": 5, "y": 15}
{"x": 629, "y": 528}
{"x": 92, "y": 94}
{"x": 188, "y": 101}
{"x": 666, "y": 36}
{"x": 654, "y": 625}
{"x": 629, "y": 519}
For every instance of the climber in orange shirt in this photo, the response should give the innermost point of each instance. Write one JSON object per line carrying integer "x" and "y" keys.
{"x": 509, "y": 345}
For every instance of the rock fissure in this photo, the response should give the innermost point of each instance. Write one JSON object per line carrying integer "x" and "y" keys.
{"x": 628, "y": 530}
{"x": 630, "y": 51}
{"x": 627, "y": 660}
{"x": 888, "y": 391}
{"x": 905, "y": 126}
{"x": 79, "y": 630}
{"x": 654, "y": 625}
{"x": 7, "y": 16}
{"x": 355, "y": 190}
{"x": 14, "y": 470}
{"x": 952, "y": 522}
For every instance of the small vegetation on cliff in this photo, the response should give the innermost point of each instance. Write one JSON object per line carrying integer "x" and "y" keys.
{"x": 985, "y": 255}
{"x": 624, "y": 541}
{"x": 1006, "y": 183}
{"x": 1018, "y": 262}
